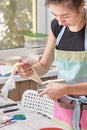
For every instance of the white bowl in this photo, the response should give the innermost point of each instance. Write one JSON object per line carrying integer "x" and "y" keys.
{"x": 11, "y": 60}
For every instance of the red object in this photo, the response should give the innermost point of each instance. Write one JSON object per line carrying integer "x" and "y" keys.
{"x": 51, "y": 128}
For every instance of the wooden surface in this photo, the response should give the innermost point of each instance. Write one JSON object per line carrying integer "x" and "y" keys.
{"x": 16, "y": 94}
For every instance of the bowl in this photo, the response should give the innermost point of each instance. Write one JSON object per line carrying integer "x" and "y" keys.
{"x": 11, "y": 60}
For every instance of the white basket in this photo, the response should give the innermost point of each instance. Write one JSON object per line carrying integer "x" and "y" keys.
{"x": 43, "y": 105}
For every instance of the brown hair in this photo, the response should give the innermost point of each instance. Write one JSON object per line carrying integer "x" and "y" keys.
{"x": 72, "y": 4}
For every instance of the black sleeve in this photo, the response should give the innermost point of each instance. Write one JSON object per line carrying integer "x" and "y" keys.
{"x": 55, "y": 27}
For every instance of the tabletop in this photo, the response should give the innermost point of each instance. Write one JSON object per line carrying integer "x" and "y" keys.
{"x": 33, "y": 121}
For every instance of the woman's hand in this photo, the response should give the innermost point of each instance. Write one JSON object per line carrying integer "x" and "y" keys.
{"x": 24, "y": 69}
{"x": 54, "y": 90}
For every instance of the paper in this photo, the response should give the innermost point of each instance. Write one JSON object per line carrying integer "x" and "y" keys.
{"x": 4, "y": 101}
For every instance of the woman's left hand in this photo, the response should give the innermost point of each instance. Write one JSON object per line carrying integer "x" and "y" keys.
{"x": 54, "y": 90}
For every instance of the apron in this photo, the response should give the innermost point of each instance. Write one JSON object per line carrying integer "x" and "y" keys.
{"x": 69, "y": 111}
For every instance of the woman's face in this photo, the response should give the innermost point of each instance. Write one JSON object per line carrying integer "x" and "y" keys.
{"x": 64, "y": 15}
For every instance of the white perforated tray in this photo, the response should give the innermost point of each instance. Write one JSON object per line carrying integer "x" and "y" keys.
{"x": 43, "y": 105}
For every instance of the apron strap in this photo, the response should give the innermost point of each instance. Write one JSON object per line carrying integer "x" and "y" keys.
{"x": 77, "y": 110}
{"x": 86, "y": 37}
{"x": 60, "y": 35}
{"x": 63, "y": 30}
{"x": 86, "y": 32}
{"x": 76, "y": 115}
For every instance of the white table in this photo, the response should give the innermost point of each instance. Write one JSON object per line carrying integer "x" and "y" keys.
{"x": 34, "y": 121}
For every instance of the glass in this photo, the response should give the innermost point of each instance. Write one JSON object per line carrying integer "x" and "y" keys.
{"x": 35, "y": 42}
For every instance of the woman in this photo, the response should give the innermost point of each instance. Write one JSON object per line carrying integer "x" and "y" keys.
{"x": 69, "y": 32}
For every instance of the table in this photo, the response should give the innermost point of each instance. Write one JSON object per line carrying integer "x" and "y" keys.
{"x": 34, "y": 121}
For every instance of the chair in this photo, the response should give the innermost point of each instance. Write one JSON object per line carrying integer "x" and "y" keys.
{"x": 43, "y": 105}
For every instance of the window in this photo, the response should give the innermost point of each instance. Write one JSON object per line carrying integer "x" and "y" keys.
{"x": 17, "y": 17}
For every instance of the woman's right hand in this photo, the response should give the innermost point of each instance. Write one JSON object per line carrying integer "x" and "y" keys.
{"x": 24, "y": 69}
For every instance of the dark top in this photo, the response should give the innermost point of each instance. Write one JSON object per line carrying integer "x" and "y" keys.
{"x": 70, "y": 41}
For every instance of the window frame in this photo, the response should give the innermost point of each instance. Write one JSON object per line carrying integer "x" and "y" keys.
{"x": 41, "y": 14}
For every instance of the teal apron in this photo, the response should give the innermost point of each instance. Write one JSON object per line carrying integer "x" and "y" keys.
{"x": 72, "y": 66}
